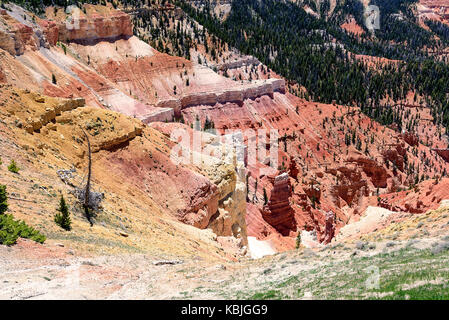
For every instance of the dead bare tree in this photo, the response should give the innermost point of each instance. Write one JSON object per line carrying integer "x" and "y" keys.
{"x": 90, "y": 200}
{"x": 89, "y": 175}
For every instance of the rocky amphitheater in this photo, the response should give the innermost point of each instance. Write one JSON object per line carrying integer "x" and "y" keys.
{"x": 84, "y": 71}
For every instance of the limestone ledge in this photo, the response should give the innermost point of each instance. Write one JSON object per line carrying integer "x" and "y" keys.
{"x": 50, "y": 113}
{"x": 236, "y": 95}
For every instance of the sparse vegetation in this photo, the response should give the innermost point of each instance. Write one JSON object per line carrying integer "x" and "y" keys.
{"x": 421, "y": 275}
{"x": 13, "y": 167}
{"x": 331, "y": 73}
{"x": 298, "y": 240}
{"x": 10, "y": 229}
{"x": 3, "y": 200}
{"x": 265, "y": 197}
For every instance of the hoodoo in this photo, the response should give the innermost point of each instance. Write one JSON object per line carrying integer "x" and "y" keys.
{"x": 278, "y": 212}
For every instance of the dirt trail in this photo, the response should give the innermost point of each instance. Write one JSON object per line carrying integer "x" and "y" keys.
{"x": 33, "y": 271}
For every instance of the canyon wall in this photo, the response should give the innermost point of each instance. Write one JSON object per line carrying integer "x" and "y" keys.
{"x": 235, "y": 95}
{"x": 248, "y": 61}
{"x": 94, "y": 27}
{"x": 15, "y": 36}
{"x": 318, "y": 173}
{"x": 159, "y": 114}
{"x": 224, "y": 211}
{"x": 20, "y": 30}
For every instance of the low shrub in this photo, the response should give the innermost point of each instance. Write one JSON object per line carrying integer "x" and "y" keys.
{"x": 11, "y": 230}
{"x": 13, "y": 167}
{"x": 3, "y": 199}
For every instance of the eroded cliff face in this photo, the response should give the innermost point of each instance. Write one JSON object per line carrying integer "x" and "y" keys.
{"x": 328, "y": 174}
{"x": 100, "y": 60}
{"x": 132, "y": 165}
{"x": 31, "y": 60}
{"x": 170, "y": 82}
{"x": 21, "y": 30}
{"x": 425, "y": 196}
{"x": 90, "y": 24}
{"x": 15, "y": 37}
{"x": 377, "y": 173}
{"x": 443, "y": 153}
{"x": 278, "y": 211}
{"x": 350, "y": 188}
{"x": 226, "y": 212}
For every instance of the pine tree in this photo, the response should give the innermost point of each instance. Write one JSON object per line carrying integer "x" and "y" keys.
{"x": 3, "y": 199}
{"x": 298, "y": 240}
{"x": 62, "y": 218}
{"x": 265, "y": 196}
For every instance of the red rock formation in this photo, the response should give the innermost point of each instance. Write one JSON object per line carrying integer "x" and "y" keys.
{"x": 278, "y": 212}
{"x": 128, "y": 76}
{"x": 346, "y": 176}
{"x": 373, "y": 170}
{"x": 329, "y": 228}
{"x": 50, "y": 30}
{"x": 443, "y": 153}
{"x": 15, "y": 36}
{"x": 351, "y": 187}
{"x": 313, "y": 191}
{"x": 395, "y": 154}
{"x": 96, "y": 23}
{"x": 411, "y": 138}
{"x": 425, "y": 196}
{"x": 351, "y": 26}
{"x": 293, "y": 169}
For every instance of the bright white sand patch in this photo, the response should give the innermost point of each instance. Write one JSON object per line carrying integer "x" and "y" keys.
{"x": 444, "y": 203}
{"x": 372, "y": 218}
{"x": 259, "y": 249}
{"x": 119, "y": 50}
{"x": 309, "y": 239}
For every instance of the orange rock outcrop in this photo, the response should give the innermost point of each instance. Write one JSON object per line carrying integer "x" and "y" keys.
{"x": 278, "y": 212}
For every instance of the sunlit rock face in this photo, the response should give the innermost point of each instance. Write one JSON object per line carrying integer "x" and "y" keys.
{"x": 278, "y": 212}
